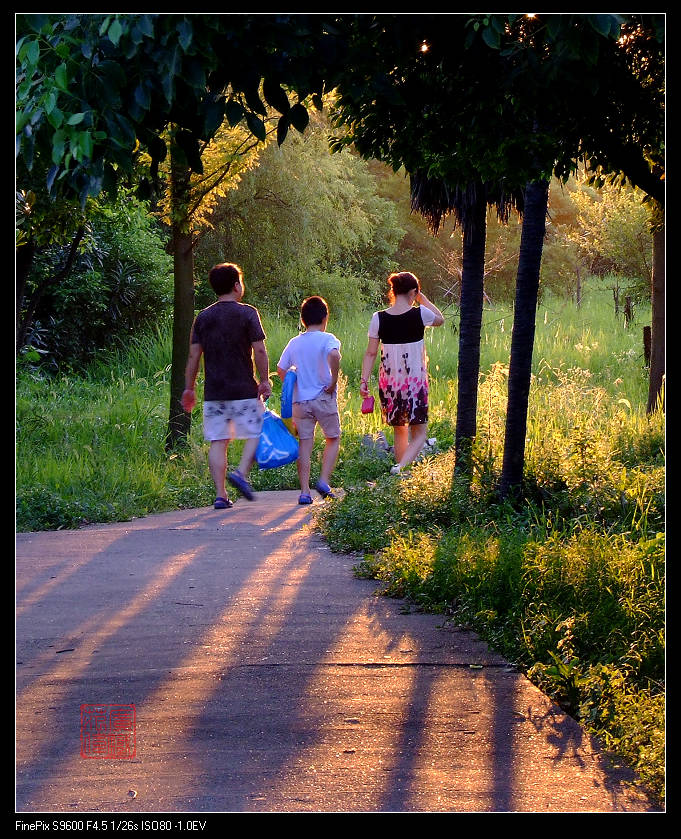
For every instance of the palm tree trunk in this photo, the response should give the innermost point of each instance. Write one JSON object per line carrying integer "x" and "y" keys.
{"x": 657, "y": 348}
{"x": 522, "y": 340}
{"x": 471, "y": 305}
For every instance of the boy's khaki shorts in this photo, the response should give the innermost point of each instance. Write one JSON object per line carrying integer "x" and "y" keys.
{"x": 323, "y": 409}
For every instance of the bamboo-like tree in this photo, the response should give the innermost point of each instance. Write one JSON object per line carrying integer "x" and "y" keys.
{"x": 435, "y": 200}
{"x": 490, "y": 98}
{"x": 549, "y": 57}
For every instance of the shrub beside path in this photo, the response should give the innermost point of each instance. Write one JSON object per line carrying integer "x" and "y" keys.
{"x": 265, "y": 677}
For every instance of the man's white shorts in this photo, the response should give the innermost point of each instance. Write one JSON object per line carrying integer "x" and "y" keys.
{"x": 235, "y": 419}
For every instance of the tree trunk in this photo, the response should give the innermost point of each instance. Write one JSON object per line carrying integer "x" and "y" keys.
{"x": 179, "y": 421}
{"x": 471, "y": 305}
{"x": 656, "y": 397}
{"x": 23, "y": 263}
{"x": 628, "y": 310}
{"x": 522, "y": 340}
{"x": 25, "y": 317}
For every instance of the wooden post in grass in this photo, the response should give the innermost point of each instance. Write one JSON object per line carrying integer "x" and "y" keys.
{"x": 647, "y": 338}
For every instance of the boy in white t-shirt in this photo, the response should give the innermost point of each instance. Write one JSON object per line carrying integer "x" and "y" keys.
{"x": 315, "y": 354}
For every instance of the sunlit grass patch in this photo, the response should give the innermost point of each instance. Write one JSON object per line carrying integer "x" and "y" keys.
{"x": 582, "y": 613}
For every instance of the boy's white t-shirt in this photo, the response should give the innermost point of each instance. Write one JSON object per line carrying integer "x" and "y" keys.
{"x": 309, "y": 354}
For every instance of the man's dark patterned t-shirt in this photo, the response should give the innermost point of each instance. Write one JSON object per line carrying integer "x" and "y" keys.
{"x": 226, "y": 331}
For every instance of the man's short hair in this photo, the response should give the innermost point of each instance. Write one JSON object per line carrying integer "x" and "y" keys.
{"x": 313, "y": 310}
{"x": 224, "y": 277}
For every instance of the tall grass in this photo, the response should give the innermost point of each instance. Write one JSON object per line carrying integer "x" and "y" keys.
{"x": 90, "y": 447}
{"x": 570, "y": 585}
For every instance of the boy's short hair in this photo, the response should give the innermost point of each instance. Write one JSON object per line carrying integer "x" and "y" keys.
{"x": 313, "y": 310}
{"x": 224, "y": 277}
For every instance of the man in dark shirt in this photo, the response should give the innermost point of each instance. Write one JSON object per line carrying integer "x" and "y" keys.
{"x": 230, "y": 337}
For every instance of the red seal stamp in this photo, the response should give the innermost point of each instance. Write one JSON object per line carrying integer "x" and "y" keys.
{"x": 107, "y": 731}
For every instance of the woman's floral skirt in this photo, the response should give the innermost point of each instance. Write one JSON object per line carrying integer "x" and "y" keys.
{"x": 403, "y": 384}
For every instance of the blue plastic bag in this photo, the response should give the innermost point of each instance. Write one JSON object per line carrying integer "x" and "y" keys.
{"x": 277, "y": 446}
{"x": 287, "y": 393}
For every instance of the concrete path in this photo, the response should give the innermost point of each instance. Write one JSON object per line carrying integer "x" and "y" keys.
{"x": 265, "y": 677}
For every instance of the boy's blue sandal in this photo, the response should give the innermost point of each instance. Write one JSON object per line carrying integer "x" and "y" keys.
{"x": 304, "y": 498}
{"x": 324, "y": 490}
{"x": 222, "y": 503}
{"x": 236, "y": 479}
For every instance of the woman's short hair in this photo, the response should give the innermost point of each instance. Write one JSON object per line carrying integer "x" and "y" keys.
{"x": 401, "y": 283}
{"x": 313, "y": 310}
{"x": 224, "y": 277}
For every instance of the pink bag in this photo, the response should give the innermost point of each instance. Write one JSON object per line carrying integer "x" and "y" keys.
{"x": 368, "y": 405}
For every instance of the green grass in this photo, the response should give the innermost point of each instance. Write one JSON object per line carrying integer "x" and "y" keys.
{"x": 90, "y": 447}
{"x": 569, "y": 585}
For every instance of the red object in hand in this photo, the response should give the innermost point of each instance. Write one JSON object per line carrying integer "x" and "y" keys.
{"x": 368, "y": 405}
{"x": 188, "y": 400}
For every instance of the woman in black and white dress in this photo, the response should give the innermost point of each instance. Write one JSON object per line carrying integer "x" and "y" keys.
{"x": 403, "y": 372}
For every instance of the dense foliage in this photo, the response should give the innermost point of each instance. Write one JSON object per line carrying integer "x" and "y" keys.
{"x": 304, "y": 221}
{"x": 120, "y": 284}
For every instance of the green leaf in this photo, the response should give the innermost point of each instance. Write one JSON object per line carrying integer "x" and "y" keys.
{"x": 185, "y": 33}
{"x": 168, "y": 79}
{"x": 21, "y": 120}
{"x": 87, "y": 49}
{"x": 75, "y": 148}
{"x": 194, "y": 73}
{"x": 55, "y": 117}
{"x": 214, "y": 113}
{"x": 136, "y": 34}
{"x": 282, "y": 129}
{"x": 120, "y": 130}
{"x": 491, "y": 38}
{"x": 234, "y": 111}
{"x": 51, "y": 175}
{"x": 86, "y": 144}
{"x": 254, "y": 102}
{"x": 61, "y": 77}
{"x": 275, "y": 96}
{"x": 605, "y": 24}
{"x": 58, "y": 144}
{"x": 256, "y": 126}
{"x": 38, "y": 22}
{"x": 299, "y": 117}
{"x": 115, "y": 32}
{"x": 31, "y": 52}
{"x": 50, "y": 102}
{"x": 76, "y": 119}
{"x": 146, "y": 26}
{"x": 142, "y": 96}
